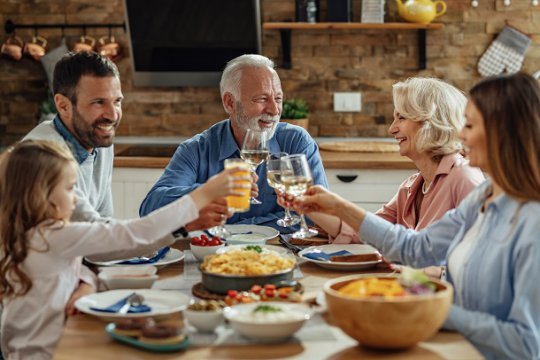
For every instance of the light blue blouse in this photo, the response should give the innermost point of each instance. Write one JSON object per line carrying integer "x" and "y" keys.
{"x": 498, "y": 308}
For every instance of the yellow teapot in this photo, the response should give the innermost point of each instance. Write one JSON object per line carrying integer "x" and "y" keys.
{"x": 420, "y": 11}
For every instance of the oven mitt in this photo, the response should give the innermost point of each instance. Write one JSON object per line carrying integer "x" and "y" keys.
{"x": 506, "y": 53}
{"x": 50, "y": 59}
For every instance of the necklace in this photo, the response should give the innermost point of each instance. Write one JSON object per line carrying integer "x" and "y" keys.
{"x": 424, "y": 189}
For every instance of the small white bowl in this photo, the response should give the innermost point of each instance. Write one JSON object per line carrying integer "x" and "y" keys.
{"x": 204, "y": 321}
{"x": 128, "y": 277}
{"x": 201, "y": 251}
{"x": 265, "y": 328}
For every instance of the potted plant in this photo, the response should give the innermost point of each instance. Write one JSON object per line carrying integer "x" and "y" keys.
{"x": 296, "y": 112}
{"x": 48, "y": 108}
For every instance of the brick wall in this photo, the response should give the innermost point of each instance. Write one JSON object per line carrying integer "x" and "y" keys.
{"x": 324, "y": 61}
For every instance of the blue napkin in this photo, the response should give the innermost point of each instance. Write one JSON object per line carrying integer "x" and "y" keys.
{"x": 319, "y": 255}
{"x": 114, "y": 308}
{"x": 160, "y": 254}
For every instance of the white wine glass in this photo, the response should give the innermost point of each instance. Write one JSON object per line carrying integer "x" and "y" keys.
{"x": 274, "y": 171}
{"x": 296, "y": 179}
{"x": 255, "y": 151}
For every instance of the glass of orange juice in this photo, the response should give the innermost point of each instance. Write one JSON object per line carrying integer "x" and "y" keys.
{"x": 239, "y": 203}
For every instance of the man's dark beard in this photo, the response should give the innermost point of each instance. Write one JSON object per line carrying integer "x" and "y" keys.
{"x": 85, "y": 132}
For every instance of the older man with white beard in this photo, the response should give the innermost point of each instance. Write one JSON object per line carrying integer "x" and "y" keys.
{"x": 252, "y": 96}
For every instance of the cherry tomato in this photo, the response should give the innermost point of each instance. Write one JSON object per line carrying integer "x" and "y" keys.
{"x": 213, "y": 242}
{"x": 195, "y": 240}
{"x": 203, "y": 242}
{"x": 270, "y": 293}
{"x": 232, "y": 293}
{"x": 256, "y": 289}
{"x": 204, "y": 237}
{"x": 269, "y": 287}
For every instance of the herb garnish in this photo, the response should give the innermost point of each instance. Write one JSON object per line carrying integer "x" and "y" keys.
{"x": 255, "y": 248}
{"x": 267, "y": 309}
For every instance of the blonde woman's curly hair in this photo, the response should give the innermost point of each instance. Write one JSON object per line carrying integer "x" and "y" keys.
{"x": 439, "y": 106}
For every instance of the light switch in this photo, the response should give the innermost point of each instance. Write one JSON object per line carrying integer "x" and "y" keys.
{"x": 348, "y": 101}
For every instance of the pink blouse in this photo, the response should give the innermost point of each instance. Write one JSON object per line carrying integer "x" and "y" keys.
{"x": 453, "y": 181}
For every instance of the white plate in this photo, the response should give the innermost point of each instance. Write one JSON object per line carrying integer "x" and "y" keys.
{"x": 355, "y": 249}
{"x": 259, "y": 234}
{"x": 162, "y": 303}
{"x": 174, "y": 255}
{"x": 280, "y": 250}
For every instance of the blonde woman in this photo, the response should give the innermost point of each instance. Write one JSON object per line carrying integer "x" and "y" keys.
{"x": 490, "y": 240}
{"x": 428, "y": 116}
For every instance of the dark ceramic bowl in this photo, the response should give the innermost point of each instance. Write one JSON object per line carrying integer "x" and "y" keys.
{"x": 220, "y": 284}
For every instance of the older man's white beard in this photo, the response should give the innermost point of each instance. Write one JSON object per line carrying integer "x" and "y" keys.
{"x": 253, "y": 123}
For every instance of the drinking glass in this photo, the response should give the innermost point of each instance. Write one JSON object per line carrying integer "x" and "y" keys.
{"x": 255, "y": 151}
{"x": 235, "y": 203}
{"x": 296, "y": 178}
{"x": 274, "y": 171}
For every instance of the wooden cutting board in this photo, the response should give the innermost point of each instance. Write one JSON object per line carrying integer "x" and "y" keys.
{"x": 360, "y": 146}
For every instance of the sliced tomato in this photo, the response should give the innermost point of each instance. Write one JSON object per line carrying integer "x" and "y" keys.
{"x": 232, "y": 293}
{"x": 269, "y": 287}
{"x": 256, "y": 289}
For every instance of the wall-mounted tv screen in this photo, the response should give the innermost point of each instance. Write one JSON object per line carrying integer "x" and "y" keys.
{"x": 189, "y": 42}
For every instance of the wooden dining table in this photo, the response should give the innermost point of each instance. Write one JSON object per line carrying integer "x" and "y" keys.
{"x": 84, "y": 336}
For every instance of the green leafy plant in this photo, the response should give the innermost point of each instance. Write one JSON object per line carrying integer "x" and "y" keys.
{"x": 295, "y": 109}
{"x": 48, "y": 106}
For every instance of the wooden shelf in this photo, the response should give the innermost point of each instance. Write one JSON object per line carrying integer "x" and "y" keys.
{"x": 286, "y": 27}
{"x": 349, "y": 26}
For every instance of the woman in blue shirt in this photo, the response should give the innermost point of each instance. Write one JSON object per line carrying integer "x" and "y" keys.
{"x": 491, "y": 242}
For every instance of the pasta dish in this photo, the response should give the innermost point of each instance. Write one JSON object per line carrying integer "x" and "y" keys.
{"x": 247, "y": 263}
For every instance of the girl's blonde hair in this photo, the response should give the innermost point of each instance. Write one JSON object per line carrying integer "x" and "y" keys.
{"x": 510, "y": 108}
{"x": 439, "y": 106}
{"x": 29, "y": 171}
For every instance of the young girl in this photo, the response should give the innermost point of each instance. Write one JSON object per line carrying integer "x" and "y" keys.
{"x": 40, "y": 251}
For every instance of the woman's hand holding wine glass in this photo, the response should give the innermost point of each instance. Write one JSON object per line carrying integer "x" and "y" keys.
{"x": 255, "y": 151}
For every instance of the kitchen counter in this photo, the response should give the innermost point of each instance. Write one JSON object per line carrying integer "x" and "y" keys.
{"x": 157, "y": 155}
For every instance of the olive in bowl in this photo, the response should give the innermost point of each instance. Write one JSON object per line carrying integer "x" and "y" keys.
{"x": 204, "y": 315}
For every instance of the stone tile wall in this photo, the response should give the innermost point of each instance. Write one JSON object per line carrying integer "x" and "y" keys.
{"x": 324, "y": 61}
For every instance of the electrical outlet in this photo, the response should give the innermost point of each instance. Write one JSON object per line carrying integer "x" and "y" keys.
{"x": 348, "y": 101}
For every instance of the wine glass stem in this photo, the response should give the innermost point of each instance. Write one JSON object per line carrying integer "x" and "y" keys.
{"x": 303, "y": 224}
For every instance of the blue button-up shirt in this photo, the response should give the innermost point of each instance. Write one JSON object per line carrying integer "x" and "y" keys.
{"x": 203, "y": 156}
{"x": 498, "y": 307}
{"x": 79, "y": 152}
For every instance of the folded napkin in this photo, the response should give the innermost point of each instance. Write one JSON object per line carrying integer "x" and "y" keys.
{"x": 320, "y": 255}
{"x": 160, "y": 254}
{"x": 114, "y": 308}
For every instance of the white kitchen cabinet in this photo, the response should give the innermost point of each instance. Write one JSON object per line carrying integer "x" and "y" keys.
{"x": 369, "y": 189}
{"x": 129, "y": 188}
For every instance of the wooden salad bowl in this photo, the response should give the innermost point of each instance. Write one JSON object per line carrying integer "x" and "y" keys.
{"x": 395, "y": 323}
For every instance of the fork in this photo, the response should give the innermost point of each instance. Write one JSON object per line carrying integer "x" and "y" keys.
{"x": 132, "y": 300}
{"x": 140, "y": 258}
